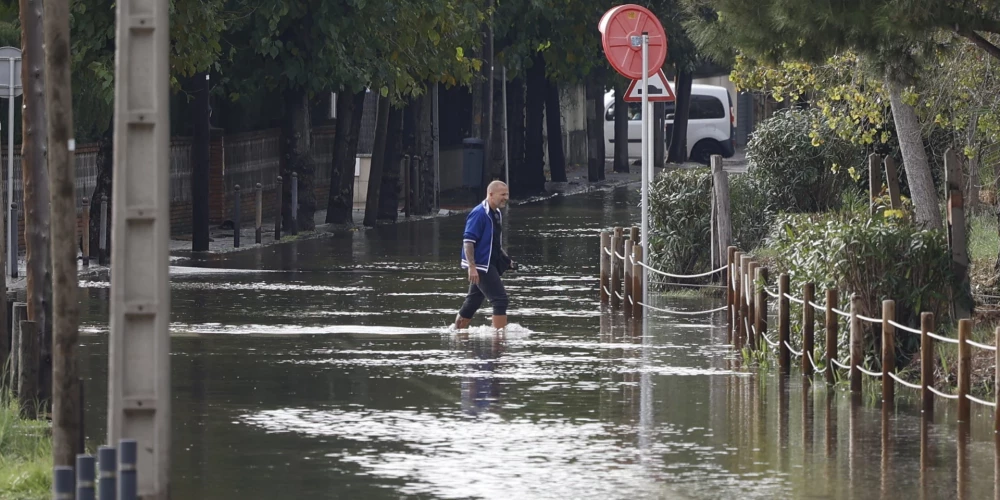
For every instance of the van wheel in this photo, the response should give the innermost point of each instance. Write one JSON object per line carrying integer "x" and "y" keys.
{"x": 703, "y": 151}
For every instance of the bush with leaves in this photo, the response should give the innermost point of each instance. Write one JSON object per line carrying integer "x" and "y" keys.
{"x": 875, "y": 258}
{"x": 798, "y": 165}
{"x": 680, "y": 220}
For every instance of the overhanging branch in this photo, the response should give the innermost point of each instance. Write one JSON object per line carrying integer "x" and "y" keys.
{"x": 981, "y": 42}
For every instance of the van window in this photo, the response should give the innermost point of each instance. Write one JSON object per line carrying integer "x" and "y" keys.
{"x": 634, "y": 111}
{"x": 705, "y": 107}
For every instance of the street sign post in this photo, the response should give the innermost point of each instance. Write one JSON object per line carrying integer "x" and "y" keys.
{"x": 636, "y": 46}
{"x": 10, "y": 77}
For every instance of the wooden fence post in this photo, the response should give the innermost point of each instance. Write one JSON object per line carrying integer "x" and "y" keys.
{"x": 964, "y": 369}
{"x": 892, "y": 182}
{"x": 27, "y": 394}
{"x": 784, "y": 356}
{"x": 616, "y": 268}
{"x": 605, "y": 278}
{"x": 761, "y": 317}
{"x": 956, "y": 234}
{"x": 808, "y": 328}
{"x": 856, "y": 335}
{"x": 629, "y": 299}
{"x": 637, "y": 280}
{"x": 744, "y": 301}
{"x": 85, "y": 228}
{"x": 752, "y": 302}
{"x": 720, "y": 186}
{"x": 731, "y": 288}
{"x": 888, "y": 352}
{"x": 831, "y": 334}
{"x": 927, "y": 361}
{"x": 633, "y": 234}
{"x": 738, "y": 298}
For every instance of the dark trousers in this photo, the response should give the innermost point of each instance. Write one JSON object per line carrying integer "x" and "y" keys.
{"x": 490, "y": 287}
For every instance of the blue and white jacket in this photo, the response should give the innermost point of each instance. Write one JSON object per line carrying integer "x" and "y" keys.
{"x": 479, "y": 230}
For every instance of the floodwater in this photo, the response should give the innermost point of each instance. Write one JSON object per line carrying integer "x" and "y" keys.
{"x": 325, "y": 368}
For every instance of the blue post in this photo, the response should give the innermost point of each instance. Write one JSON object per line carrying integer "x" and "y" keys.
{"x": 127, "y": 481}
{"x": 107, "y": 461}
{"x": 85, "y": 477}
{"x": 62, "y": 483}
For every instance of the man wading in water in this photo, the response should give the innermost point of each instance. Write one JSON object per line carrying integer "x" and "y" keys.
{"x": 484, "y": 258}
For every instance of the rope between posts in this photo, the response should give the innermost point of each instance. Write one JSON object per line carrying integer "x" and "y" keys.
{"x": 942, "y": 339}
{"x": 793, "y": 299}
{"x": 981, "y": 346}
{"x": 813, "y": 363}
{"x": 773, "y": 295}
{"x": 840, "y": 365}
{"x": 619, "y": 295}
{"x": 683, "y": 276}
{"x": 943, "y": 395}
{"x": 773, "y": 344}
{"x": 980, "y": 401}
{"x": 620, "y": 256}
{"x": 607, "y": 251}
{"x": 606, "y": 291}
{"x": 902, "y": 327}
{"x": 683, "y": 313}
{"x": 842, "y": 313}
{"x": 907, "y": 384}
{"x": 793, "y": 351}
{"x": 870, "y": 320}
{"x": 817, "y": 306}
{"x": 870, "y": 373}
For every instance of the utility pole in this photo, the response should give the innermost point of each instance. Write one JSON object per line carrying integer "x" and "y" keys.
{"x": 66, "y": 300}
{"x": 139, "y": 341}
{"x": 35, "y": 179}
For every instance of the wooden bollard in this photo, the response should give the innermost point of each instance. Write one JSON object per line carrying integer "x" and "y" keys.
{"x": 927, "y": 361}
{"x": 633, "y": 234}
{"x": 888, "y": 352}
{"x": 629, "y": 299}
{"x": 259, "y": 209}
{"x": 637, "y": 281}
{"x": 964, "y": 369}
{"x": 27, "y": 394}
{"x": 737, "y": 298}
{"x": 784, "y": 354}
{"x": 996, "y": 382}
{"x": 730, "y": 288}
{"x": 760, "y": 318}
{"x": 856, "y": 336}
{"x": 744, "y": 303}
{"x": 752, "y": 302}
{"x": 605, "y": 266}
{"x": 616, "y": 276}
{"x": 808, "y": 328}
{"x": 85, "y": 229}
{"x": 831, "y": 334}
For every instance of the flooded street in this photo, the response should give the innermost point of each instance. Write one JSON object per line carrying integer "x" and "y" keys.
{"x": 325, "y": 368}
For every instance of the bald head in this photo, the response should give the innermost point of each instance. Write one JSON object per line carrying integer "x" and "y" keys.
{"x": 497, "y": 194}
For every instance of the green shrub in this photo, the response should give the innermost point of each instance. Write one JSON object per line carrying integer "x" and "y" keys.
{"x": 876, "y": 258}
{"x": 751, "y": 210}
{"x": 680, "y": 220}
{"x": 794, "y": 161}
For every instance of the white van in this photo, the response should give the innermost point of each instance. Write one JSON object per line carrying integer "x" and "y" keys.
{"x": 711, "y": 124}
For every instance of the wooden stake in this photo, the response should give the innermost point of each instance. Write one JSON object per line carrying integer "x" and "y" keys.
{"x": 761, "y": 316}
{"x": 831, "y": 334}
{"x": 964, "y": 369}
{"x": 605, "y": 278}
{"x": 888, "y": 352}
{"x": 808, "y": 325}
{"x": 927, "y": 361}
{"x": 856, "y": 352}
{"x": 784, "y": 355}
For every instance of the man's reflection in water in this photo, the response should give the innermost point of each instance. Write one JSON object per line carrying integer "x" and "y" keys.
{"x": 480, "y": 387}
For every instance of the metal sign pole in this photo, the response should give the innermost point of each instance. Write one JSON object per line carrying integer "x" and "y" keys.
{"x": 645, "y": 163}
{"x": 11, "y": 237}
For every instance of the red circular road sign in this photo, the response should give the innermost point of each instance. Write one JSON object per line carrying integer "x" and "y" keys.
{"x": 621, "y": 34}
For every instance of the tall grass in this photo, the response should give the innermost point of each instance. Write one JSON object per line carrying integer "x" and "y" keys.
{"x": 25, "y": 454}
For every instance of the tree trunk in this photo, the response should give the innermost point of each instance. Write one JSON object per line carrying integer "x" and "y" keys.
{"x": 533, "y": 181}
{"x": 972, "y": 203}
{"x": 378, "y": 162}
{"x": 201, "y": 159}
{"x": 35, "y": 178}
{"x": 918, "y": 171}
{"x": 658, "y": 133}
{"x": 682, "y": 110}
{"x": 105, "y": 168}
{"x": 595, "y": 129}
{"x": 515, "y": 132}
{"x": 621, "y": 126}
{"x": 66, "y": 425}
{"x": 296, "y": 139}
{"x": 487, "y": 105}
{"x": 389, "y": 193}
{"x": 425, "y": 148}
{"x": 340, "y": 203}
{"x": 557, "y": 157}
